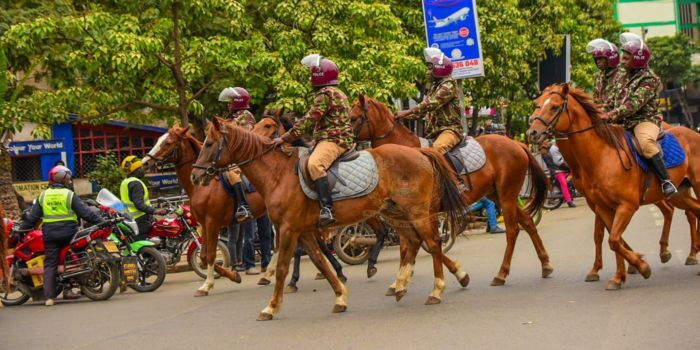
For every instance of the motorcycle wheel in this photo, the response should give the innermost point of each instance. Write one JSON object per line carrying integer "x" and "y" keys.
{"x": 553, "y": 203}
{"x": 14, "y": 297}
{"x": 152, "y": 273}
{"x": 446, "y": 235}
{"x": 103, "y": 282}
{"x": 345, "y": 250}
{"x": 223, "y": 259}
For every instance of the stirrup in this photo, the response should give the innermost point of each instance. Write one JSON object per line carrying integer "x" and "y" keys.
{"x": 243, "y": 213}
{"x": 326, "y": 217}
{"x": 668, "y": 188}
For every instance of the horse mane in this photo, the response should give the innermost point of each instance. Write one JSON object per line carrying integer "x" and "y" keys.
{"x": 384, "y": 111}
{"x": 601, "y": 127}
{"x": 246, "y": 143}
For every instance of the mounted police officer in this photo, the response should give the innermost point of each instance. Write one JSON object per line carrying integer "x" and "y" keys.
{"x": 637, "y": 104}
{"x": 329, "y": 122}
{"x": 238, "y": 100}
{"x": 607, "y": 59}
{"x": 59, "y": 209}
{"x": 440, "y": 106}
{"x": 134, "y": 194}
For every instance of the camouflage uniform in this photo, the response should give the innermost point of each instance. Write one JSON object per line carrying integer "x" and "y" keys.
{"x": 244, "y": 119}
{"x": 330, "y": 126}
{"x": 440, "y": 108}
{"x": 637, "y": 108}
{"x": 605, "y": 83}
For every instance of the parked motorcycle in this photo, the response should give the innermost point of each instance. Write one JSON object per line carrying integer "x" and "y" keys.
{"x": 177, "y": 234}
{"x": 142, "y": 267}
{"x": 89, "y": 262}
{"x": 555, "y": 198}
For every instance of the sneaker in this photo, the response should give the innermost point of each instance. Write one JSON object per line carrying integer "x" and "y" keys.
{"x": 252, "y": 271}
{"x": 239, "y": 268}
{"x": 49, "y": 302}
{"x": 69, "y": 294}
{"x": 571, "y": 204}
{"x": 496, "y": 229}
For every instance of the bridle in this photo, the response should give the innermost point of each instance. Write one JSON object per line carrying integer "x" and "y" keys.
{"x": 550, "y": 125}
{"x": 365, "y": 119}
{"x": 170, "y": 158}
{"x": 211, "y": 169}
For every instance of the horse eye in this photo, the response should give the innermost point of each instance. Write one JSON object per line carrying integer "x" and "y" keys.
{"x": 209, "y": 144}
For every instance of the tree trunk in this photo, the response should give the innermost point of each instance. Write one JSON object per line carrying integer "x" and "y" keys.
{"x": 509, "y": 122}
{"x": 180, "y": 83}
{"x": 475, "y": 121}
{"x": 8, "y": 201}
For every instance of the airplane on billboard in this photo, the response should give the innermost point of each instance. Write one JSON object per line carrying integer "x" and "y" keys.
{"x": 460, "y": 15}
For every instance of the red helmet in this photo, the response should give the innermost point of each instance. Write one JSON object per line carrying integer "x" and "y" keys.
{"x": 635, "y": 46}
{"x": 323, "y": 71}
{"x": 603, "y": 48}
{"x": 238, "y": 97}
{"x": 59, "y": 175}
{"x": 442, "y": 66}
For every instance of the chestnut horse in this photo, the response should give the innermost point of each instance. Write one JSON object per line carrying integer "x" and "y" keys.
{"x": 507, "y": 164}
{"x": 606, "y": 169}
{"x": 410, "y": 197}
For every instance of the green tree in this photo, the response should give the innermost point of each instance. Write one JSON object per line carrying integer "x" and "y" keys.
{"x": 672, "y": 58}
{"x": 106, "y": 175}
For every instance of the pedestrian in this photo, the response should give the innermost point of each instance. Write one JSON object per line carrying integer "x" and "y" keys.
{"x": 329, "y": 122}
{"x": 557, "y": 169}
{"x": 235, "y": 246}
{"x": 59, "y": 209}
{"x": 491, "y": 214}
{"x": 134, "y": 193}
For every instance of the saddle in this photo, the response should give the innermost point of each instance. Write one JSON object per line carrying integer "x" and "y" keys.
{"x": 467, "y": 156}
{"x": 671, "y": 150}
{"x": 353, "y": 174}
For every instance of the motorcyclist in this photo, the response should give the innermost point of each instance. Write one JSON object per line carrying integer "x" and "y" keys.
{"x": 134, "y": 194}
{"x": 59, "y": 209}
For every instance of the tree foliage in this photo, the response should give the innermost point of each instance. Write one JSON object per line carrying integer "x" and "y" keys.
{"x": 105, "y": 174}
{"x": 671, "y": 58}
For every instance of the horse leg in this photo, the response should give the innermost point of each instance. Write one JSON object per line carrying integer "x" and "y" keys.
{"x": 526, "y": 222}
{"x": 621, "y": 219}
{"x": 287, "y": 243}
{"x": 694, "y": 247}
{"x": 380, "y": 231}
{"x": 334, "y": 262}
{"x": 314, "y": 249}
{"x": 292, "y": 285}
{"x": 455, "y": 267}
{"x": 428, "y": 231}
{"x": 408, "y": 260}
{"x": 211, "y": 239}
{"x": 510, "y": 216}
{"x": 667, "y": 212}
{"x": 403, "y": 251}
{"x": 598, "y": 233}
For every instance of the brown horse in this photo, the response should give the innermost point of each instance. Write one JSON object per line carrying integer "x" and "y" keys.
{"x": 613, "y": 184}
{"x": 507, "y": 164}
{"x": 412, "y": 198}
{"x": 210, "y": 204}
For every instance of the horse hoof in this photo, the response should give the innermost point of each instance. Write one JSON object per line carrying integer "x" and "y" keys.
{"x": 342, "y": 278}
{"x": 263, "y": 281}
{"x": 497, "y": 281}
{"x": 645, "y": 270}
{"x": 631, "y": 270}
{"x": 264, "y": 316}
{"x": 665, "y": 256}
{"x": 201, "y": 293}
{"x": 319, "y": 276}
{"x": 290, "y": 289}
{"x": 400, "y": 294}
{"x": 236, "y": 277}
{"x": 390, "y": 292}
{"x": 546, "y": 271}
{"x": 371, "y": 271}
{"x": 613, "y": 285}
{"x": 464, "y": 281}
{"x": 432, "y": 301}
{"x": 691, "y": 261}
{"x": 592, "y": 277}
{"x": 339, "y": 308}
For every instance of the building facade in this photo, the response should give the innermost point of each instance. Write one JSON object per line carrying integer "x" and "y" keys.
{"x": 651, "y": 18}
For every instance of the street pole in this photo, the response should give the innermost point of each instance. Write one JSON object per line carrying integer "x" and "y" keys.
{"x": 462, "y": 111}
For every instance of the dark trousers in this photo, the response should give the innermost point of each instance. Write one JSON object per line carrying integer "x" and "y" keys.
{"x": 145, "y": 223}
{"x": 235, "y": 243}
{"x": 52, "y": 249}
{"x": 264, "y": 230}
{"x": 249, "y": 243}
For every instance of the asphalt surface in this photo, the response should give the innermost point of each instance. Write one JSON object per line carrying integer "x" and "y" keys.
{"x": 561, "y": 312}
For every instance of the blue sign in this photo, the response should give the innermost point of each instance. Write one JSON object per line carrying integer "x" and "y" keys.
{"x": 164, "y": 180}
{"x": 453, "y": 27}
{"x": 26, "y": 148}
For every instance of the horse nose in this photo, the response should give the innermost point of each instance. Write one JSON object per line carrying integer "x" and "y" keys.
{"x": 532, "y": 134}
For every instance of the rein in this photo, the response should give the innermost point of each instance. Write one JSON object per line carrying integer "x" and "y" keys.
{"x": 211, "y": 169}
{"x": 170, "y": 158}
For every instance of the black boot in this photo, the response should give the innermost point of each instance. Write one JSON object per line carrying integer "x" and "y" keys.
{"x": 657, "y": 163}
{"x": 243, "y": 211}
{"x": 325, "y": 201}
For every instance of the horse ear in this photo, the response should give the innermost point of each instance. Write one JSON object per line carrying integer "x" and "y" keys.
{"x": 216, "y": 124}
{"x": 279, "y": 113}
{"x": 185, "y": 130}
{"x": 565, "y": 89}
{"x": 362, "y": 100}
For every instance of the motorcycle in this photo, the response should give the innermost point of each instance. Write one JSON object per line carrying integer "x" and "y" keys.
{"x": 352, "y": 244}
{"x": 555, "y": 198}
{"x": 143, "y": 267}
{"x": 177, "y": 234}
{"x": 89, "y": 262}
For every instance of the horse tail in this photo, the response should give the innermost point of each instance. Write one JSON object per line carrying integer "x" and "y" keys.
{"x": 452, "y": 203}
{"x": 539, "y": 184}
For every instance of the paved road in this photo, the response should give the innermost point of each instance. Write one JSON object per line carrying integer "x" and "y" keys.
{"x": 561, "y": 312}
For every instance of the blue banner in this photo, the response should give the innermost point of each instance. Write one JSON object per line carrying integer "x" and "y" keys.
{"x": 26, "y": 148}
{"x": 164, "y": 180}
{"x": 453, "y": 27}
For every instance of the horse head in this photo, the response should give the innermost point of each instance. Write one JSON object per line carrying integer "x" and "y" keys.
{"x": 547, "y": 117}
{"x": 271, "y": 125}
{"x": 169, "y": 148}
{"x": 370, "y": 116}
